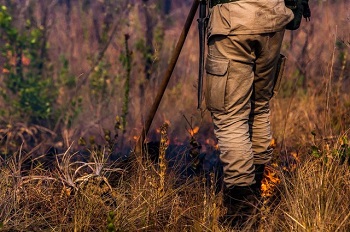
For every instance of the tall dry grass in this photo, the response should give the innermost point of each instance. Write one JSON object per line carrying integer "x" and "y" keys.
{"x": 312, "y": 194}
{"x": 80, "y": 195}
{"x": 85, "y": 191}
{"x": 316, "y": 198}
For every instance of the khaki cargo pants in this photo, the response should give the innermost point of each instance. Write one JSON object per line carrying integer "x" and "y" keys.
{"x": 239, "y": 85}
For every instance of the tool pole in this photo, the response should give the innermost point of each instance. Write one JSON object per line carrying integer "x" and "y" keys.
{"x": 201, "y": 29}
{"x": 166, "y": 78}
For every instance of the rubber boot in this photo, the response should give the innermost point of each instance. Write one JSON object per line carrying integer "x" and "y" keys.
{"x": 259, "y": 175}
{"x": 241, "y": 204}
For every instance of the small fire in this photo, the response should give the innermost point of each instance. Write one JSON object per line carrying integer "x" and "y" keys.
{"x": 193, "y": 131}
{"x": 273, "y": 143}
{"x": 270, "y": 181}
{"x": 271, "y": 178}
{"x": 167, "y": 121}
{"x": 212, "y": 143}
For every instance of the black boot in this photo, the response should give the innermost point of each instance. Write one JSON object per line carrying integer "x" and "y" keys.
{"x": 241, "y": 204}
{"x": 259, "y": 175}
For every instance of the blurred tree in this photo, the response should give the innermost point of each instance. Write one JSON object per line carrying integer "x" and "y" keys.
{"x": 68, "y": 5}
{"x": 149, "y": 21}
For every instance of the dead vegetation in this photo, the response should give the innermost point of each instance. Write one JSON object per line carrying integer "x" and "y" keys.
{"x": 72, "y": 174}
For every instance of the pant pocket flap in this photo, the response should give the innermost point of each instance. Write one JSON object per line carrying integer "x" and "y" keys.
{"x": 216, "y": 66}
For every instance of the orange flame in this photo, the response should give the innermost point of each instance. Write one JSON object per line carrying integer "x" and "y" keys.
{"x": 167, "y": 122}
{"x": 270, "y": 181}
{"x": 193, "y": 131}
{"x": 212, "y": 143}
{"x": 273, "y": 143}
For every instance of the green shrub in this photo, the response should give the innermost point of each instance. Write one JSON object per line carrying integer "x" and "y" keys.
{"x": 28, "y": 88}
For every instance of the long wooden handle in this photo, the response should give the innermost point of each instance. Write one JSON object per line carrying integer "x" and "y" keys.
{"x": 167, "y": 75}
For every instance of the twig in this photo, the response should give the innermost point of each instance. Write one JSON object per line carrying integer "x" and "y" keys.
{"x": 295, "y": 220}
{"x": 328, "y": 86}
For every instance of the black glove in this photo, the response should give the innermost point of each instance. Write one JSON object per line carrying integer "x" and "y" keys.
{"x": 306, "y": 10}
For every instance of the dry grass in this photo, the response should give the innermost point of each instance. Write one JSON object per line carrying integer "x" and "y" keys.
{"x": 80, "y": 195}
{"x": 314, "y": 198}
{"x": 311, "y": 195}
{"x": 85, "y": 191}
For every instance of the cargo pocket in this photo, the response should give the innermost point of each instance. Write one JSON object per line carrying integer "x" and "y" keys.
{"x": 279, "y": 74}
{"x": 216, "y": 80}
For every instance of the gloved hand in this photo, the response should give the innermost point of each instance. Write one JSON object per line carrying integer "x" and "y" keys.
{"x": 306, "y": 10}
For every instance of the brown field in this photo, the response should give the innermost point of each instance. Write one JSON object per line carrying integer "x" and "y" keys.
{"x": 64, "y": 169}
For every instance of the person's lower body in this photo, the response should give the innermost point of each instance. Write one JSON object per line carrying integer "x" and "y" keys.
{"x": 240, "y": 81}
